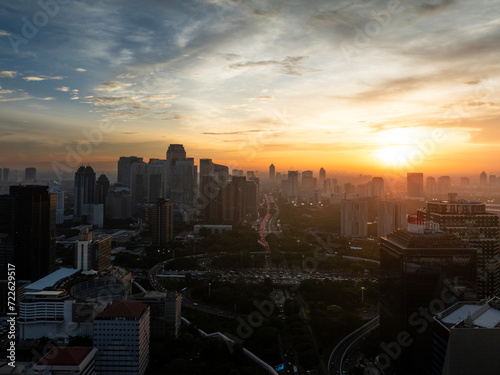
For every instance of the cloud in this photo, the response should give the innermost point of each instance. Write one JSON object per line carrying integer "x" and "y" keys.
{"x": 63, "y": 88}
{"x": 262, "y": 98}
{"x": 80, "y": 70}
{"x": 8, "y": 74}
{"x": 47, "y": 98}
{"x": 4, "y": 33}
{"x": 176, "y": 117}
{"x": 41, "y": 78}
{"x": 290, "y": 65}
{"x": 113, "y": 85}
{"x": 474, "y": 82}
{"x": 231, "y": 56}
{"x": 154, "y": 98}
{"x": 10, "y": 91}
{"x": 243, "y": 132}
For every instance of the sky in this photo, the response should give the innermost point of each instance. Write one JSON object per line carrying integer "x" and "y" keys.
{"x": 362, "y": 86}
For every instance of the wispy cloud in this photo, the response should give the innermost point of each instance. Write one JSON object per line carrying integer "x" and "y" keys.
{"x": 8, "y": 74}
{"x": 63, "y": 88}
{"x": 80, "y": 70}
{"x": 41, "y": 78}
{"x": 291, "y": 65}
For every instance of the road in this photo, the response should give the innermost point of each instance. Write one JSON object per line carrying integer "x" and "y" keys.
{"x": 339, "y": 353}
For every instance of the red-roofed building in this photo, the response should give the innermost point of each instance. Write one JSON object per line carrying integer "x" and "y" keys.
{"x": 121, "y": 334}
{"x": 63, "y": 361}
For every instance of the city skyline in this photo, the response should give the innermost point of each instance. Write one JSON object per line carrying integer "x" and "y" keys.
{"x": 379, "y": 86}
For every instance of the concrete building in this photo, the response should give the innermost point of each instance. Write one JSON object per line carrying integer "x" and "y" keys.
{"x": 165, "y": 315}
{"x": 415, "y": 185}
{"x": 272, "y": 173}
{"x": 67, "y": 361}
{"x": 162, "y": 223}
{"x": 124, "y": 167}
{"x": 391, "y": 215}
{"x": 84, "y": 189}
{"x": 466, "y": 339}
{"x": 354, "y": 218}
{"x": 122, "y": 335}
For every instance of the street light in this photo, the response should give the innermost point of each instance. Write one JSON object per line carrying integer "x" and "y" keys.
{"x": 209, "y": 284}
{"x": 363, "y": 294}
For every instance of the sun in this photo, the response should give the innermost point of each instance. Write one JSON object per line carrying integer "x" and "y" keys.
{"x": 394, "y": 155}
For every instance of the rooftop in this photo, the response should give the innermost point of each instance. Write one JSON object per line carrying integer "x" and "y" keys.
{"x": 124, "y": 310}
{"x": 484, "y": 314}
{"x": 51, "y": 280}
{"x": 61, "y": 356}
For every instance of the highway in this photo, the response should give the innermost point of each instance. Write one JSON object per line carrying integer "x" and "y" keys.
{"x": 339, "y": 353}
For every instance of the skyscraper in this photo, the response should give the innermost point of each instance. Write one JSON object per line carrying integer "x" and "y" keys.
{"x": 162, "y": 223}
{"x": 430, "y": 186}
{"x": 84, "y": 189}
{"x": 391, "y": 215}
{"x": 272, "y": 173}
{"x": 30, "y": 175}
{"x": 307, "y": 180}
{"x": 353, "y": 218}
{"x": 480, "y": 229}
{"x": 102, "y": 187}
{"x": 415, "y": 185}
{"x": 322, "y": 177}
{"x": 483, "y": 179}
{"x": 31, "y": 211}
{"x": 6, "y": 174}
{"x": 175, "y": 153}
{"x": 124, "y": 165}
{"x": 444, "y": 185}
{"x": 60, "y": 204}
{"x": 420, "y": 273}
{"x": 377, "y": 187}
{"x": 293, "y": 184}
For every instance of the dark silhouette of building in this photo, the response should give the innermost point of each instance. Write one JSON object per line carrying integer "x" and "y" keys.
{"x": 162, "y": 222}
{"x": 6, "y": 174}
{"x": 272, "y": 173}
{"x": 420, "y": 275}
{"x": 415, "y": 185}
{"x": 483, "y": 179}
{"x": 175, "y": 153}
{"x": 102, "y": 187}
{"x": 30, "y": 175}
{"x": 124, "y": 165}
{"x": 27, "y": 231}
{"x": 84, "y": 189}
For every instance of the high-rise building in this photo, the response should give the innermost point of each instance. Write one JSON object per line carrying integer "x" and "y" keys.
{"x": 60, "y": 204}
{"x": 480, "y": 229}
{"x": 234, "y": 200}
{"x": 206, "y": 167}
{"x": 1, "y": 174}
{"x": 430, "y": 186}
{"x": 293, "y": 185}
{"x": 102, "y": 187}
{"x": 377, "y": 187}
{"x": 124, "y": 165}
{"x": 175, "y": 153}
{"x": 6, "y": 174}
{"x": 444, "y": 185}
{"x": 391, "y": 215}
{"x": 420, "y": 273}
{"x": 464, "y": 181}
{"x": 492, "y": 180}
{"x": 252, "y": 199}
{"x": 272, "y": 173}
{"x": 28, "y": 218}
{"x": 162, "y": 223}
{"x": 307, "y": 180}
{"x": 64, "y": 361}
{"x": 354, "y": 218}
{"x": 483, "y": 179}
{"x": 84, "y": 189}
{"x": 93, "y": 252}
{"x": 121, "y": 336}
{"x": 237, "y": 172}
{"x": 250, "y": 175}
{"x": 165, "y": 315}
{"x": 30, "y": 175}
{"x": 322, "y": 177}
{"x": 415, "y": 185}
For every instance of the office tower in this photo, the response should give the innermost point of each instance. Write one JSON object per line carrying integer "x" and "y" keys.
{"x": 206, "y": 167}
{"x": 250, "y": 175}
{"x": 464, "y": 181}
{"x": 420, "y": 273}
{"x": 6, "y": 174}
{"x": 162, "y": 223}
{"x": 391, "y": 215}
{"x": 121, "y": 336}
{"x": 353, "y": 218}
{"x": 30, "y": 175}
{"x": 307, "y": 180}
{"x": 29, "y": 223}
{"x": 252, "y": 198}
{"x": 415, "y": 185}
{"x": 237, "y": 172}
{"x": 480, "y": 229}
{"x": 149, "y": 181}
{"x": 165, "y": 314}
{"x": 84, "y": 189}
{"x": 466, "y": 339}
{"x": 444, "y": 185}
{"x": 82, "y": 250}
{"x": 59, "y": 203}
{"x": 349, "y": 188}
{"x": 7, "y": 235}
{"x": 234, "y": 200}
{"x": 64, "y": 361}
{"x": 124, "y": 165}
{"x": 377, "y": 187}
{"x": 430, "y": 186}
{"x": 293, "y": 185}
{"x": 1, "y": 174}
{"x": 93, "y": 252}
{"x": 102, "y": 187}
{"x": 118, "y": 205}
{"x": 272, "y": 173}
{"x": 175, "y": 153}
{"x": 322, "y": 177}
{"x": 279, "y": 178}
{"x": 483, "y": 179}
{"x": 492, "y": 180}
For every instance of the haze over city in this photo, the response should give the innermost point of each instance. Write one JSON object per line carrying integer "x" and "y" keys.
{"x": 341, "y": 85}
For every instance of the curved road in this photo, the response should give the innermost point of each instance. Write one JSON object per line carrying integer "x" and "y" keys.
{"x": 336, "y": 361}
